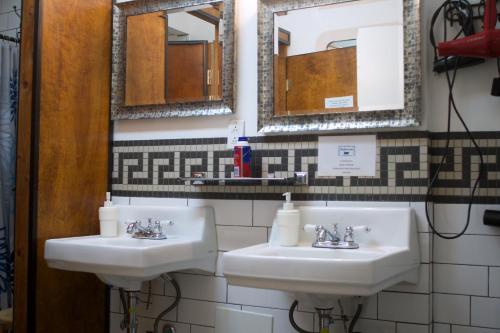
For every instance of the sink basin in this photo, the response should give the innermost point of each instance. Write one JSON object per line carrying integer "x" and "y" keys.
{"x": 126, "y": 262}
{"x": 388, "y": 254}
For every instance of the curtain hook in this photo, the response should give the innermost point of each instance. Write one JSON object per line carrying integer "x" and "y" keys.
{"x": 16, "y": 11}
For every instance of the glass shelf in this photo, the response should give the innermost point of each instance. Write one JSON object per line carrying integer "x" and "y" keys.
{"x": 300, "y": 178}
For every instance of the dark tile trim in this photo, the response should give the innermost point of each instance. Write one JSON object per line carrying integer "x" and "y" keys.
{"x": 170, "y": 142}
{"x": 272, "y": 196}
{"x": 292, "y": 158}
{"x": 464, "y": 136}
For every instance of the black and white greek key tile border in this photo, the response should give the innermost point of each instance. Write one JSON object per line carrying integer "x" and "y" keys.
{"x": 152, "y": 169}
{"x": 461, "y": 168}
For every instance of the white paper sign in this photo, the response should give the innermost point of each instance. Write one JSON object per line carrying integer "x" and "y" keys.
{"x": 339, "y": 102}
{"x": 347, "y": 155}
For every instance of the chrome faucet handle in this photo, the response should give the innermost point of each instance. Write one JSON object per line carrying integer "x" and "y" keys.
{"x": 132, "y": 227}
{"x": 156, "y": 232}
{"x": 157, "y": 227}
{"x": 349, "y": 234}
{"x": 320, "y": 233}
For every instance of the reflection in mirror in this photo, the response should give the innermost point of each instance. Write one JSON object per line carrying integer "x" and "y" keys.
{"x": 343, "y": 57}
{"x": 174, "y": 56}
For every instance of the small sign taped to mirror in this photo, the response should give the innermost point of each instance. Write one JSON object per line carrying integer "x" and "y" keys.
{"x": 339, "y": 102}
{"x": 353, "y": 155}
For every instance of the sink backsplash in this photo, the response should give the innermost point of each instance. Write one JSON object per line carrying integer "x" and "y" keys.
{"x": 458, "y": 289}
{"x": 152, "y": 168}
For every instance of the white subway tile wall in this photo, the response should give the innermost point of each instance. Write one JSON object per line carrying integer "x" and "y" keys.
{"x": 458, "y": 290}
{"x": 466, "y": 272}
{"x": 240, "y": 223}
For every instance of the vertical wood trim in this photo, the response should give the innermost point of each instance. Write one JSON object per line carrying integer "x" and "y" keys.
{"x": 24, "y": 165}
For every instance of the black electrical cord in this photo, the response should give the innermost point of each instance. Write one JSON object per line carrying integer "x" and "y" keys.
{"x": 355, "y": 318}
{"x": 452, "y": 107}
{"x": 126, "y": 313}
{"x": 292, "y": 320}
{"x": 343, "y": 317}
{"x": 172, "y": 306}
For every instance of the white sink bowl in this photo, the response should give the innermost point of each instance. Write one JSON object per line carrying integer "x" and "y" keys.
{"x": 387, "y": 255}
{"x": 126, "y": 262}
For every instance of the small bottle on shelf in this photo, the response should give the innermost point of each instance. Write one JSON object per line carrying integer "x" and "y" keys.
{"x": 242, "y": 158}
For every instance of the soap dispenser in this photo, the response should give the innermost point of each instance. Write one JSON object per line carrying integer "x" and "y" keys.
{"x": 288, "y": 220}
{"x": 108, "y": 218}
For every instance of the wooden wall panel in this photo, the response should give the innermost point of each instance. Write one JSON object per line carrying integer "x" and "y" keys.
{"x": 73, "y": 154}
{"x": 316, "y": 76}
{"x": 69, "y": 166}
{"x": 22, "y": 227}
{"x": 145, "y": 54}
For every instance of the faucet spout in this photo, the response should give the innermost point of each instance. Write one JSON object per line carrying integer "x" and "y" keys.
{"x": 153, "y": 232}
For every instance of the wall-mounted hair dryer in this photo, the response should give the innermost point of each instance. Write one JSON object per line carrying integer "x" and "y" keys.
{"x": 485, "y": 44}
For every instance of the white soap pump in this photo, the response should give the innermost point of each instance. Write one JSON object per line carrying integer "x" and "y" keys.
{"x": 108, "y": 218}
{"x": 288, "y": 221}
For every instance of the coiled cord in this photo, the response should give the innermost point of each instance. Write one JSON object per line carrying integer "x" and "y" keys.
{"x": 452, "y": 107}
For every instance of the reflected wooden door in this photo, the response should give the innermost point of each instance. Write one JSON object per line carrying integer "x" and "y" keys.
{"x": 187, "y": 71}
{"x": 280, "y": 85}
{"x": 145, "y": 64}
{"x": 314, "y": 77}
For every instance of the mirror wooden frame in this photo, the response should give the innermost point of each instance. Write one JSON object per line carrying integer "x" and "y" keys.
{"x": 407, "y": 117}
{"x": 173, "y": 110}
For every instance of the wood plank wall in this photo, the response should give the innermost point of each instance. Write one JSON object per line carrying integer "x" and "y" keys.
{"x": 69, "y": 166}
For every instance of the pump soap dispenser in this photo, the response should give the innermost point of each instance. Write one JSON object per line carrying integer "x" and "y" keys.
{"x": 288, "y": 220}
{"x": 108, "y": 218}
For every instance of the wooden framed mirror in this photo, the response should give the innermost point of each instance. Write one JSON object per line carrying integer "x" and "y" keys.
{"x": 173, "y": 59}
{"x": 338, "y": 65}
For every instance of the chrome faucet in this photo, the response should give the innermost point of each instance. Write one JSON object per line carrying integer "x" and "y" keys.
{"x": 151, "y": 231}
{"x": 332, "y": 240}
{"x": 323, "y": 235}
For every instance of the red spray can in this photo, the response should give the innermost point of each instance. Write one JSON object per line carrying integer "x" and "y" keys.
{"x": 242, "y": 158}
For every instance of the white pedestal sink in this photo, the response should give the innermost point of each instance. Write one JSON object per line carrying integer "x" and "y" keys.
{"x": 388, "y": 254}
{"x": 126, "y": 262}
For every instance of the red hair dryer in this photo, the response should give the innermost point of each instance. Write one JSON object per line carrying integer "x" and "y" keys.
{"x": 485, "y": 44}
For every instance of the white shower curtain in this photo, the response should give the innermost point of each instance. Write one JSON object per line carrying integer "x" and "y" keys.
{"x": 9, "y": 68}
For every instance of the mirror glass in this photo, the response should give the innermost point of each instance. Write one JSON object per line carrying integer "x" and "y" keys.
{"x": 174, "y": 55}
{"x": 337, "y": 58}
